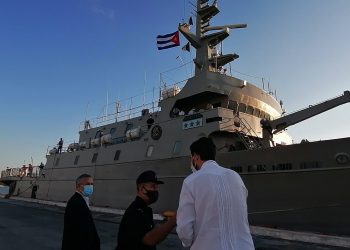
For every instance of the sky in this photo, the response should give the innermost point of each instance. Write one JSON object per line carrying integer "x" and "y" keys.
{"x": 60, "y": 59}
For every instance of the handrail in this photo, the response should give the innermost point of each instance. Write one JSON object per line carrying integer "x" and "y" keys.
{"x": 29, "y": 171}
{"x": 133, "y": 106}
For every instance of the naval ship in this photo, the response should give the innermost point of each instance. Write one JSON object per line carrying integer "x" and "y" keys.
{"x": 296, "y": 186}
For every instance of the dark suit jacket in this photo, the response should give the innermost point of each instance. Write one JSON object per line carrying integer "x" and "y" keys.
{"x": 79, "y": 229}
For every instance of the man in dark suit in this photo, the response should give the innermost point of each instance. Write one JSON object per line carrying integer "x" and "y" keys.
{"x": 79, "y": 229}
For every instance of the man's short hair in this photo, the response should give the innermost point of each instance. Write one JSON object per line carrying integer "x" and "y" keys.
{"x": 205, "y": 148}
{"x": 81, "y": 177}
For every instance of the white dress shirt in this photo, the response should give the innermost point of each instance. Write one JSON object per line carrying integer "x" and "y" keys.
{"x": 212, "y": 213}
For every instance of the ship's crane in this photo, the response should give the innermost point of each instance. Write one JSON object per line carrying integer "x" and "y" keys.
{"x": 271, "y": 127}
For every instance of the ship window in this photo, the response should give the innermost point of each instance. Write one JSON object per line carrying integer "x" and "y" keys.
{"x": 257, "y": 168}
{"x": 250, "y": 110}
{"x": 261, "y": 167}
{"x": 57, "y": 161}
{"x": 282, "y": 166}
{"x": 177, "y": 147}
{"x": 94, "y": 158}
{"x": 233, "y": 105}
{"x": 256, "y": 112}
{"x": 117, "y": 154}
{"x": 76, "y": 160}
{"x": 311, "y": 164}
{"x": 242, "y": 107}
{"x": 149, "y": 151}
{"x": 262, "y": 114}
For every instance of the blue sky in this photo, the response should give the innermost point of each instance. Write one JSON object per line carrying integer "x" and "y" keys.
{"x": 58, "y": 59}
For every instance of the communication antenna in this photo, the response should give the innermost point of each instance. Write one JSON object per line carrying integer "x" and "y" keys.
{"x": 263, "y": 82}
{"x": 87, "y": 109}
{"x": 144, "y": 90}
{"x": 106, "y": 109}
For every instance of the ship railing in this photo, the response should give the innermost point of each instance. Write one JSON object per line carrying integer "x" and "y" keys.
{"x": 29, "y": 171}
{"x": 11, "y": 172}
{"x": 55, "y": 147}
{"x": 135, "y": 106}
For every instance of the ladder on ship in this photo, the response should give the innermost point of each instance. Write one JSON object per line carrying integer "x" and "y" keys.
{"x": 249, "y": 138}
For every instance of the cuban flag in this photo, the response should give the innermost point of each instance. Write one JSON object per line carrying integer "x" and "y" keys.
{"x": 168, "y": 41}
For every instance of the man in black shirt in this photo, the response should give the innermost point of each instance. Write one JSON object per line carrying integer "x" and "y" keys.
{"x": 137, "y": 230}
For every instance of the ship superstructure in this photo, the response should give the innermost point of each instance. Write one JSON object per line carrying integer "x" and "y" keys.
{"x": 286, "y": 181}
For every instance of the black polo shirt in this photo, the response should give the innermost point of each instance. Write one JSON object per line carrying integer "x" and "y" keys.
{"x": 136, "y": 222}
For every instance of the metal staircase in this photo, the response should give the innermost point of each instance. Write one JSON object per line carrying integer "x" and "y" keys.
{"x": 249, "y": 138}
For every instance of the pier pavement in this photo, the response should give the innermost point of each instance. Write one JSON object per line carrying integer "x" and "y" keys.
{"x": 29, "y": 225}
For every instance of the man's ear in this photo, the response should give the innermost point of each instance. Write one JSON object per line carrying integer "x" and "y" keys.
{"x": 197, "y": 157}
{"x": 142, "y": 188}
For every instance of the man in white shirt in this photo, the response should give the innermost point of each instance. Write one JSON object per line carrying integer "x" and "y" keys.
{"x": 212, "y": 211}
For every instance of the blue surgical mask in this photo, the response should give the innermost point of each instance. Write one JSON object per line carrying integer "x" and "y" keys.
{"x": 88, "y": 190}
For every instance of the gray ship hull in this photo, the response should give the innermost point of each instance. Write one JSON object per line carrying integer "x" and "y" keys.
{"x": 299, "y": 186}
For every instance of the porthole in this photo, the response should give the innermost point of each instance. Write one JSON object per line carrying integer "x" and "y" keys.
{"x": 342, "y": 158}
{"x": 156, "y": 132}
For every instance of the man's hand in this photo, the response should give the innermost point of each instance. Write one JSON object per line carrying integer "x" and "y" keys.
{"x": 169, "y": 214}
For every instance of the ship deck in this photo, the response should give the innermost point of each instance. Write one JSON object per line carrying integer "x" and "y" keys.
{"x": 34, "y": 225}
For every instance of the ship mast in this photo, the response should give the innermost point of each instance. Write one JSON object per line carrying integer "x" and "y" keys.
{"x": 208, "y": 58}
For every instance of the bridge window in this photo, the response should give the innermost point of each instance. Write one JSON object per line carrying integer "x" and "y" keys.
{"x": 233, "y": 105}
{"x": 250, "y": 110}
{"x": 262, "y": 114}
{"x": 256, "y": 112}
{"x": 242, "y": 107}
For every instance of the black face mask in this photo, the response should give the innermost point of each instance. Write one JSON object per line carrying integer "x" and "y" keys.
{"x": 152, "y": 195}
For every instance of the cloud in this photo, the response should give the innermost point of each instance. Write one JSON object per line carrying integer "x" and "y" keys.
{"x": 109, "y": 13}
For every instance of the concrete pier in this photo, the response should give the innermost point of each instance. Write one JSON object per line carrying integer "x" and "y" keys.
{"x": 33, "y": 225}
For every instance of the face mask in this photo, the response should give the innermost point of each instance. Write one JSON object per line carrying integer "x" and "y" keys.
{"x": 88, "y": 190}
{"x": 152, "y": 195}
